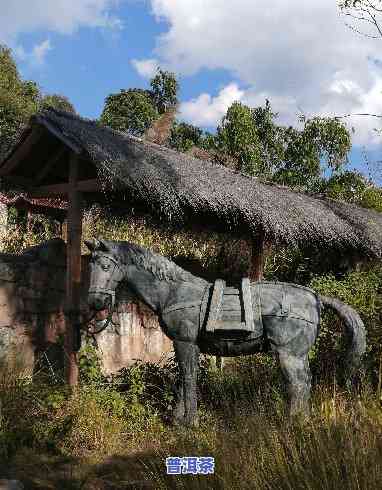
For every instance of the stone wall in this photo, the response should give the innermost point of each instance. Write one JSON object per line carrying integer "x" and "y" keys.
{"x": 32, "y": 322}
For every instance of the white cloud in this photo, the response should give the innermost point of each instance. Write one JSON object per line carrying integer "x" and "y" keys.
{"x": 206, "y": 110}
{"x": 145, "y": 67}
{"x": 298, "y": 54}
{"x": 39, "y": 52}
{"x": 369, "y": 103}
{"x": 35, "y": 57}
{"x": 63, "y": 16}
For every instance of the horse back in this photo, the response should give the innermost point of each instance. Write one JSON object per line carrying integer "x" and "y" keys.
{"x": 281, "y": 299}
{"x": 290, "y": 315}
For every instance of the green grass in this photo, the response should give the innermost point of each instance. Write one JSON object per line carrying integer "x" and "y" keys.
{"x": 51, "y": 438}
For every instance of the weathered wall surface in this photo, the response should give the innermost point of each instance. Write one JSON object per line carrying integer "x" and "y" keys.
{"x": 32, "y": 293}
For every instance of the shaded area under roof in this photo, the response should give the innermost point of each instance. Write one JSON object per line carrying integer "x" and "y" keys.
{"x": 182, "y": 189}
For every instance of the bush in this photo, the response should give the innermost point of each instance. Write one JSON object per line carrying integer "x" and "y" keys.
{"x": 361, "y": 290}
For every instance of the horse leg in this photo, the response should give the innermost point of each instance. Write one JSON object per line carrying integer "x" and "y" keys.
{"x": 187, "y": 355}
{"x": 298, "y": 378}
{"x": 178, "y": 414}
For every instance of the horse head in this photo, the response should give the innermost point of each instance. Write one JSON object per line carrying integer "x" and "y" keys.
{"x": 106, "y": 273}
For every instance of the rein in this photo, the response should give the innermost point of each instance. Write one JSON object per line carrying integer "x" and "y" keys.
{"x": 108, "y": 292}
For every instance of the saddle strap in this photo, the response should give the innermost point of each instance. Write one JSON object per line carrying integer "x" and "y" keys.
{"x": 181, "y": 306}
{"x": 189, "y": 304}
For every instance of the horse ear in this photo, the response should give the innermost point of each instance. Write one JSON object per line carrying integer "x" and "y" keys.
{"x": 96, "y": 245}
{"x": 102, "y": 245}
{"x": 90, "y": 244}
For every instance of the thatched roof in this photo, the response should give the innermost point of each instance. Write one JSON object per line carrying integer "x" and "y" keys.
{"x": 178, "y": 187}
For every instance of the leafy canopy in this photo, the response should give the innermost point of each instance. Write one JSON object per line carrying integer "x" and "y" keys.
{"x": 57, "y": 101}
{"x": 131, "y": 111}
{"x": 184, "y": 136}
{"x": 19, "y": 100}
{"x": 135, "y": 110}
{"x": 164, "y": 90}
{"x": 285, "y": 155}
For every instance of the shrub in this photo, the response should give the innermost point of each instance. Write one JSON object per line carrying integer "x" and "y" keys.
{"x": 362, "y": 291}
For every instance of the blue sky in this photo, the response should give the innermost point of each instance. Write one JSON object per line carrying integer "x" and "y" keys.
{"x": 298, "y": 54}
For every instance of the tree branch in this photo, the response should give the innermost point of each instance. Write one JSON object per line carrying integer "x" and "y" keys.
{"x": 357, "y": 114}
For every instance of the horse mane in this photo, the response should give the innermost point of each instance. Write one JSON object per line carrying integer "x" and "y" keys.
{"x": 160, "y": 267}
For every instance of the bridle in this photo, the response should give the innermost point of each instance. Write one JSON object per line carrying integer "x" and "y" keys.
{"x": 106, "y": 291}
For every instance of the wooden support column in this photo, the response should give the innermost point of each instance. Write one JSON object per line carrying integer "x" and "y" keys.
{"x": 73, "y": 273}
{"x": 256, "y": 266}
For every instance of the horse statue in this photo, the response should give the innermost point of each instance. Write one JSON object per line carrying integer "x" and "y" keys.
{"x": 200, "y": 317}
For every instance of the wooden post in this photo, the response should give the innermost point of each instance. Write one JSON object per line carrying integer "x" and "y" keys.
{"x": 256, "y": 266}
{"x": 29, "y": 220}
{"x": 73, "y": 274}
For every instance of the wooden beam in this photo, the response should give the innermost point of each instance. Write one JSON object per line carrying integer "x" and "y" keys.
{"x": 19, "y": 181}
{"x": 21, "y": 151}
{"x": 49, "y": 164}
{"x": 91, "y": 185}
{"x": 58, "y": 134}
{"x": 256, "y": 266}
{"x": 50, "y": 190}
{"x": 73, "y": 273}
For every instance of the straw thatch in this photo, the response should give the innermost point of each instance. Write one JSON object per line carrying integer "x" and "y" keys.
{"x": 178, "y": 187}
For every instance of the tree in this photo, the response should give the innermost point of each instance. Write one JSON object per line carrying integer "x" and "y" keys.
{"x": 164, "y": 90}
{"x": 285, "y": 155}
{"x": 135, "y": 110}
{"x": 351, "y": 186}
{"x": 272, "y": 139}
{"x": 18, "y": 100}
{"x": 237, "y": 136}
{"x": 322, "y": 145}
{"x": 364, "y": 13}
{"x": 184, "y": 136}
{"x": 131, "y": 111}
{"x": 56, "y": 101}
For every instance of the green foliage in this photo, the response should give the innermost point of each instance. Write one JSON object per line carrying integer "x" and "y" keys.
{"x": 372, "y": 198}
{"x": 131, "y": 111}
{"x": 285, "y": 155}
{"x": 134, "y": 110}
{"x": 18, "y": 236}
{"x": 331, "y": 139}
{"x": 237, "y": 136}
{"x": 90, "y": 364}
{"x": 18, "y": 100}
{"x": 322, "y": 144}
{"x": 56, "y": 101}
{"x": 351, "y": 186}
{"x": 362, "y": 291}
{"x": 147, "y": 385}
{"x": 184, "y": 136}
{"x": 164, "y": 90}
{"x": 243, "y": 380}
{"x": 347, "y": 186}
{"x": 271, "y": 137}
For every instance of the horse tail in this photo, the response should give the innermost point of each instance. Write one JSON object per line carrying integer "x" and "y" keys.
{"x": 355, "y": 331}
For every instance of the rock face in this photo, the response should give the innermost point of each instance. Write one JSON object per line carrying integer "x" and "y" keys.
{"x": 32, "y": 320}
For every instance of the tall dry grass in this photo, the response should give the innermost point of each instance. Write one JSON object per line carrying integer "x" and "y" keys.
{"x": 97, "y": 434}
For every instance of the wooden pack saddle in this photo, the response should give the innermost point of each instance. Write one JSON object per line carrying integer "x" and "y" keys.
{"x": 233, "y": 310}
